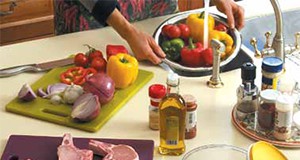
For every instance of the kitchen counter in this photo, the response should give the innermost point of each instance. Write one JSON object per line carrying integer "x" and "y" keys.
{"x": 214, "y": 105}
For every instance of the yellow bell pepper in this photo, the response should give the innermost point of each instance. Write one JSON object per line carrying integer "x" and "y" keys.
{"x": 196, "y": 24}
{"x": 225, "y": 38}
{"x": 123, "y": 69}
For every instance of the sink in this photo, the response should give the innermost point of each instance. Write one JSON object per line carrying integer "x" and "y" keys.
{"x": 258, "y": 26}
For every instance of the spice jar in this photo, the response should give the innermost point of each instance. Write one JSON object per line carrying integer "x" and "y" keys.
{"x": 156, "y": 93}
{"x": 191, "y": 116}
{"x": 247, "y": 92}
{"x": 271, "y": 71}
{"x": 283, "y": 117}
{"x": 266, "y": 109}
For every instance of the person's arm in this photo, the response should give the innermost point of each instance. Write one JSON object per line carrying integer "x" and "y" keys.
{"x": 142, "y": 44}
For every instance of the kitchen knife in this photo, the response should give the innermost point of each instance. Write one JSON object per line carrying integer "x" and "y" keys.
{"x": 38, "y": 67}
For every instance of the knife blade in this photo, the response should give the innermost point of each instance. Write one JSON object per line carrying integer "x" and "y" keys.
{"x": 36, "y": 67}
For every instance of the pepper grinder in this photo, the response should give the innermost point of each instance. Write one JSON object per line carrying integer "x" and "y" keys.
{"x": 215, "y": 80}
{"x": 247, "y": 92}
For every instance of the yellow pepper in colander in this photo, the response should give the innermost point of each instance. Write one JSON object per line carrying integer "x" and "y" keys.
{"x": 195, "y": 22}
{"x": 223, "y": 37}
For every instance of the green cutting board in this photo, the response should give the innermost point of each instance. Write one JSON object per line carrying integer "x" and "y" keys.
{"x": 60, "y": 114}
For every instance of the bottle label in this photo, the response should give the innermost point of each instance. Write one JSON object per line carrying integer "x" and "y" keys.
{"x": 191, "y": 119}
{"x": 153, "y": 117}
{"x": 270, "y": 83}
{"x": 283, "y": 121}
{"x": 172, "y": 125}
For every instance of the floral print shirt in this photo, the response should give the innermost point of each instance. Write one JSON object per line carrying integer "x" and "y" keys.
{"x": 72, "y": 15}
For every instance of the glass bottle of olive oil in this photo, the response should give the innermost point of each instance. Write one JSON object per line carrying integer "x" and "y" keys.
{"x": 172, "y": 113}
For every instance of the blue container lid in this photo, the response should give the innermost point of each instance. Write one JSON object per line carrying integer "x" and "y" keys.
{"x": 272, "y": 64}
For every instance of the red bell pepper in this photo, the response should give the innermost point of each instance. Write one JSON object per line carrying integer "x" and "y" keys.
{"x": 76, "y": 75}
{"x": 90, "y": 71}
{"x": 207, "y": 55}
{"x": 115, "y": 49}
{"x": 190, "y": 55}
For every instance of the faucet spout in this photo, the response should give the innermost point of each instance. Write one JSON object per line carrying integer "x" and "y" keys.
{"x": 278, "y": 40}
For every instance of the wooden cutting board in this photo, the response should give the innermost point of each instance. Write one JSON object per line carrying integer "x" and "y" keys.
{"x": 60, "y": 114}
{"x": 45, "y": 148}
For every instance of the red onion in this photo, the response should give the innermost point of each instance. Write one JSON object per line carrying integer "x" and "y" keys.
{"x": 26, "y": 93}
{"x": 86, "y": 107}
{"x": 56, "y": 88}
{"x": 102, "y": 85}
{"x": 41, "y": 93}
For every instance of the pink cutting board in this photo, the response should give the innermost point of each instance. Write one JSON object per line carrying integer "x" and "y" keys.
{"x": 45, "y": 148}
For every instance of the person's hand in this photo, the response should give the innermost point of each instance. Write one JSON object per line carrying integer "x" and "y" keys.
{"x": 234, "y": 12}
{"x": 144, "y": 46}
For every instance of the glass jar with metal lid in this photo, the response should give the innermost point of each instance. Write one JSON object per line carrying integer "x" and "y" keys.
{"x": 266, "y": 109}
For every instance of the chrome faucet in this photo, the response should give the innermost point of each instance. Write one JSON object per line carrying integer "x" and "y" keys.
{"x": 278, "y": 40}
{"x": 215, "y": 80}
{"x": 278, "y": 47}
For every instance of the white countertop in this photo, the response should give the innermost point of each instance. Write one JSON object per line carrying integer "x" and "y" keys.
{"x": 214, "y": 105}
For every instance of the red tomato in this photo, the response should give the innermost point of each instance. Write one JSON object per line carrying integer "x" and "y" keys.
{"x": 165, "y": 29}
{"x": 94, "y": 53}
{"x": 174, "y": 32}
{"x": 221, "y": 27}
{"x": 207, "y": 55}
{"x": 185, "y": 30}
{"x": 81, "y": 60}
{"x": 99, "y": 64}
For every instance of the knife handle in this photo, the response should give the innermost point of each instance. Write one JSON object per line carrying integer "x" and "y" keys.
{"x": 17, "y": 70}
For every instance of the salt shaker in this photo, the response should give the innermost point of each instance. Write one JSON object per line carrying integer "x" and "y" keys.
{"x": 283, "y": 117}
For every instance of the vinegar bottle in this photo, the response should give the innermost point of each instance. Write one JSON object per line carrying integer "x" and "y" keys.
{"x": 172, "y": 114}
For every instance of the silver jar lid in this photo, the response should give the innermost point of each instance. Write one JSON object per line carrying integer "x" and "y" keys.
{"x": 269, "y": 95}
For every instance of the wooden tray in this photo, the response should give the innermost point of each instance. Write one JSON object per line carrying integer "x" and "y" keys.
{"x": 45, "y": 148}
{"x": 247, "y": 127}
{"x": 60, "y": 114}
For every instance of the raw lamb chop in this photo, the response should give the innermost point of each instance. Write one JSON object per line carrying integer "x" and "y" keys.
{"x": 113, "y": 152}
{"x": 67, "y": 150}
